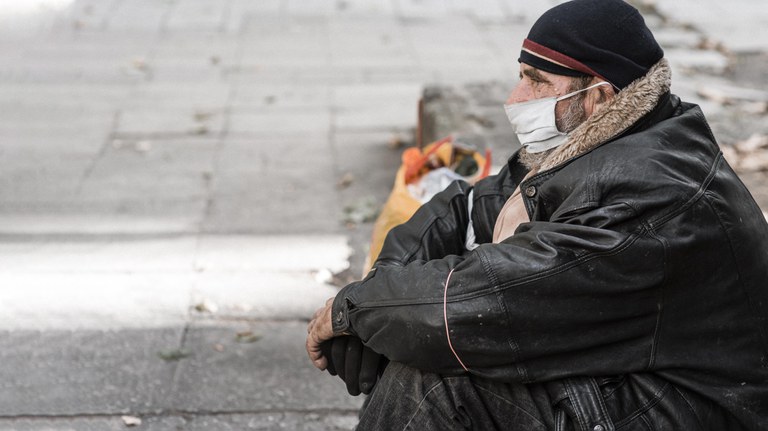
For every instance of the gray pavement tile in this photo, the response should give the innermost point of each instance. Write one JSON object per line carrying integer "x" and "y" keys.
{"x": 91, "y": 14}
{"x": 199, "y": 120}
{"x": 21, "y": 119}
{"x": 372, "y": 60}
{"x": 377, "y": 118}
{"x": 84, "y": 372}
{"x": 191, "y": 421}
{"x": 298, "y": 206}
{"x": 153, "y": 170}
{"x": 37, "y": 174}
{"x": 272, "y": 373}
{"x": 88, "y": 97}
{"x": 275, "y": 122}
{"x": 311, "y": 8}
{"x": 172, "y": 94}
{"x": 197, "y": 15}
{"x": 105, "y": 423}
{"x": 390, "y": 106}
{"x": 334, "y": 421}
{"x": 275, "y": 185}
{"x": 421, "y": 8}
{"x": 381, "y": 9}
{"x": 400, "y": 94}
{"x": 253, "y": 95}
{"x": 139, "y": 15}
{"x": 172, "y": 107}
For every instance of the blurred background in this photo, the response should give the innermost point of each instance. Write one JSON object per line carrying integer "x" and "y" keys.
{"x": 182, "y": 182}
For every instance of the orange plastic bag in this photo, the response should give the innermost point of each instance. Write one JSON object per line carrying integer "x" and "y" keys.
{"x": 402, "y": 203}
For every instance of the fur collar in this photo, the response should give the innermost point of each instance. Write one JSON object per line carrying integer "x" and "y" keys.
{"x": 628, "y": 106}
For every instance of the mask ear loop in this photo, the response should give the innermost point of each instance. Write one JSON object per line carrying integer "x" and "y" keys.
{"x": 573, "y": 93}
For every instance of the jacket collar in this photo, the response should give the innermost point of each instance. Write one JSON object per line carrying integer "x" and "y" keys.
{"x": 624, "y": 113}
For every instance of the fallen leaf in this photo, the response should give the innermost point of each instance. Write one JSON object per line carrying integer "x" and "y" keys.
{"x": 173, "y": 355}
{"x": 345, "y": 181}
{"x": 396, "y": 142}
{"x": 200, "y": 130}
{"x": 206, "y": 306}
{"x": 200, "y": 116}
{"x": 247, "y": 337}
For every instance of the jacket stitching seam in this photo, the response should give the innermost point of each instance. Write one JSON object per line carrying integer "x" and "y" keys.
{"x": 744, "y": 291}
{"x": 690, "y": 407}
{"x": 645, "y": 407}
{"x": 605, "y": 417}
{"x": 503, "y": 286}
{"x": 661, "y": 220}
{"x": 647, "y": 422}
{"x": 418, "y": 407}
{"x": 660, "y": 312}
{"x": 628, "y": 242}
{"x": 576, "y": 400}
{"x": 506, "y": 401}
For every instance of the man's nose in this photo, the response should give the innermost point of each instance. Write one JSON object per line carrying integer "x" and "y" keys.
{"x": 519, "y": 94}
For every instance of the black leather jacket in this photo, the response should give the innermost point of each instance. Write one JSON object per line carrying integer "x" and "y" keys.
{"x": 645, "y": 265}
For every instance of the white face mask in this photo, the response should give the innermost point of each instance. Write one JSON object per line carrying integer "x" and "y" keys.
{"x": 534, "y": 121}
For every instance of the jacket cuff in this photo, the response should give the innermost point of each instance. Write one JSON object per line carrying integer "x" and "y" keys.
{"x": 340, "y": 311}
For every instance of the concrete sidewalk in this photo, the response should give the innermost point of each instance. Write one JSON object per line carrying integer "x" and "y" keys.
{"x": 181, "y": 180}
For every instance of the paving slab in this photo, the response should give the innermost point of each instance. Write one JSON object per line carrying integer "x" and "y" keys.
{"x": 279, "y": 122}
{"x": 254, "y": 96}
{"x": 227, "y": 375}
{"x": 189, "y": 421}
{"x": 85, "y": 372}
{"x": 297, "y": 173}
{"x": 139, "y": 16}
{"x": 85, "y": 423}
{"x": 127, "y": 169}
{"x": 197, "y": 15}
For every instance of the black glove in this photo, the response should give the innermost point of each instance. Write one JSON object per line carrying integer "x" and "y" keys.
{"x": 356, "y": 364}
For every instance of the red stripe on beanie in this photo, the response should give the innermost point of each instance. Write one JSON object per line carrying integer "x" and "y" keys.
{"x": 558, "y": 58}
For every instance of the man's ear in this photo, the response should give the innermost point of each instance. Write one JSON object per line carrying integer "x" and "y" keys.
{"x": 598, "y": 97}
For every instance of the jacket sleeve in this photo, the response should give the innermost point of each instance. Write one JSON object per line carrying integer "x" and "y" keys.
{"x": 437, "y": 229}
{"x": 554, "y": 300}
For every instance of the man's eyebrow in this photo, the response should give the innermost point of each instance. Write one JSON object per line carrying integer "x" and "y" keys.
{"x": 536, "y": 76}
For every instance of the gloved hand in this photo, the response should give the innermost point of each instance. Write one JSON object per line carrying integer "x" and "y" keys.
{"x": 356, "y": 364}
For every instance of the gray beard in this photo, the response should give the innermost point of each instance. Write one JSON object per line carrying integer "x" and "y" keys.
{"x": 572, "y": 118}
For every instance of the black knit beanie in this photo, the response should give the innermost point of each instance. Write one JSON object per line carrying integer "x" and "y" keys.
{"x": 603, "y": 38}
